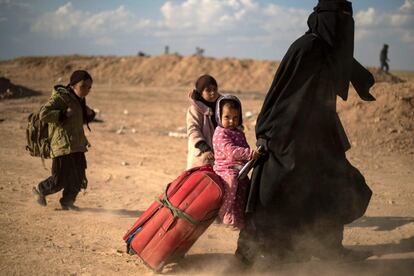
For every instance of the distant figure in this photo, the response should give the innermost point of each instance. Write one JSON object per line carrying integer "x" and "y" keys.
{"x": 166, "y": 50}
{"x": 66, "y": 112}
{"x": 199, "y": 52}
{"x": 384, "y": 58}
{"x": 201, "y": 122}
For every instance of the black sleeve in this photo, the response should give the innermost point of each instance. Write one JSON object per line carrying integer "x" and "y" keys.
{"x": 62, "y": 115}
{"x": 362, "y": 80}
{"x": 89, "y": 118}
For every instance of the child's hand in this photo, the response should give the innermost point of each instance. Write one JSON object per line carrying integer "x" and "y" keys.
{"x": 89, "y": 111}
{"x": 210, "y": 155}
{"x": 69, "y": 112}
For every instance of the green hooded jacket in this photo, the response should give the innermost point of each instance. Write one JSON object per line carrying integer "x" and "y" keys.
{"x": 66, "y": 133}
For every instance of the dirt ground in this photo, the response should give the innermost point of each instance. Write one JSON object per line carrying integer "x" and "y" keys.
{"x": 131, "y": 160}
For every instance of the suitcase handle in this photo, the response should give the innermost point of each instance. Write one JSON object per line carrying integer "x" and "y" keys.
{"x": 186, "y": 174}
{"x": 176, "y": 212}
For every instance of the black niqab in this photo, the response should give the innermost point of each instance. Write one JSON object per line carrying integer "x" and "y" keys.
{"x": 332, "y": 22}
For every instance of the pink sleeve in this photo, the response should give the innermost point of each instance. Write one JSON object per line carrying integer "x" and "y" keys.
{"x": 237, "y": 153}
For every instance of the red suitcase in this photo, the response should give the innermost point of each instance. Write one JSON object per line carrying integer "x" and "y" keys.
{"x": 171, "y": 225}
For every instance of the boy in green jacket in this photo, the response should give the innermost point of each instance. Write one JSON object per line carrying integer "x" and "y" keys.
{"x": 66, "y": 112}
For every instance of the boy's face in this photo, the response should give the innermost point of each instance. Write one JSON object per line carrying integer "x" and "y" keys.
{"x": 230, "y": 117}
{"x": 210, "y": 94}
{"x": 82, "y": 88}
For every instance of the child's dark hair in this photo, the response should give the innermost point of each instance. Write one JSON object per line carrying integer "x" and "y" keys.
{"x": 203, "y": 82}
{"x": 231, "y": 104}
{"x": 79, "y": 75}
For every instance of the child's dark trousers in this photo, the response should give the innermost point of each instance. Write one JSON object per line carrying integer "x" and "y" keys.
{"x": 68, "y": 173}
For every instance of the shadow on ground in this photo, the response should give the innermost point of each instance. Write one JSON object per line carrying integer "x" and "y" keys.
{"x": 226, "y": 264}
{"x": 381, "y": 223}
{"x": 119, "y": 212}
{"x": 9, "y": 90}
{"x": 403, "y": 246}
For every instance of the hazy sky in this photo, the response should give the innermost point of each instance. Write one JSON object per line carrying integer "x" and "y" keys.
{"x": 259, "y": 29}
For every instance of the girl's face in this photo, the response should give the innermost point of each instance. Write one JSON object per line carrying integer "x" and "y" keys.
{"x": 230, "y": 117}
{"x": 82, "y": 88}
{"x": 210, "y": 94}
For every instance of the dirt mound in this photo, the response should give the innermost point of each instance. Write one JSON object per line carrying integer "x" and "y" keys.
{"x": 387, "y": 122}
{"x": 381, "y": 76}
{"x": 10, "y": 90}
{"x": 156, "y": 71}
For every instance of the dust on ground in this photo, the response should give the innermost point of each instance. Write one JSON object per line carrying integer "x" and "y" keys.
{"x": 133, "y": 157}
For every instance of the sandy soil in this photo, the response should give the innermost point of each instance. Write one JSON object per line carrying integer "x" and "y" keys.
{"x": 47, "y": 241}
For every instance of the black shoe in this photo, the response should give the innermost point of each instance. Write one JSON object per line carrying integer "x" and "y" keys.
{"x": 349, "y": 255}
{"x": 69, "y": 206}
{"x": 242, "y": 258}
{"x": 40, "y": 198}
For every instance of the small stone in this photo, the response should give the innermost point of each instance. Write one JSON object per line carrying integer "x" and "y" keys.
{"x": 177, "y": 134}
{"x": 123, "y": 163}
{"x": 392, "y": 130}
{"x": 377, "y": 119}
{"x": 133, "y": 130}
{"x": 120, "y": 130}
{"x": 182, "y": 129}
{"x": 126, "y": 112}
{"x": 248, "y": 114}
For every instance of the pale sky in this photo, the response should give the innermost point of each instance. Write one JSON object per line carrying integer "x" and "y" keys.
{"x": 258, "y": 29}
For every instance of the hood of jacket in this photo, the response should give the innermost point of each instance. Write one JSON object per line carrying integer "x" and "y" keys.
{"x": 218, "y": 108}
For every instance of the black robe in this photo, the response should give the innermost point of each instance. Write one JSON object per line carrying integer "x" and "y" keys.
{"x": 305, "y": 181}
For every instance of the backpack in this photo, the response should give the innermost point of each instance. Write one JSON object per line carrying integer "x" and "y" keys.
{"x": 37, "y": 134}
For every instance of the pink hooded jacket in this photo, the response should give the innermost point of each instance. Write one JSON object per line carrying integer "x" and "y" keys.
{"x": 231, "y": 152}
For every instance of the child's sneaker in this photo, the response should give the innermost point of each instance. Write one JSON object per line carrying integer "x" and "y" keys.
{"x": 40, "y": 198}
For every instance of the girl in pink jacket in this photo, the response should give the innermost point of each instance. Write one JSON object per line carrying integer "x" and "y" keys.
{"x": 231, "y": 152}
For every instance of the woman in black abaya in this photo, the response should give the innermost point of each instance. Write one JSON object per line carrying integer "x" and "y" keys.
{"x": 304, "y": 190}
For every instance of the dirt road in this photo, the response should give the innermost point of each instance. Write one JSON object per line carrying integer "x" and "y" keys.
{"x": 131, "y": 159}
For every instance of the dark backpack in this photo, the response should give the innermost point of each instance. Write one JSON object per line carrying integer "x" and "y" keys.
{"x": 37, "y": 134}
